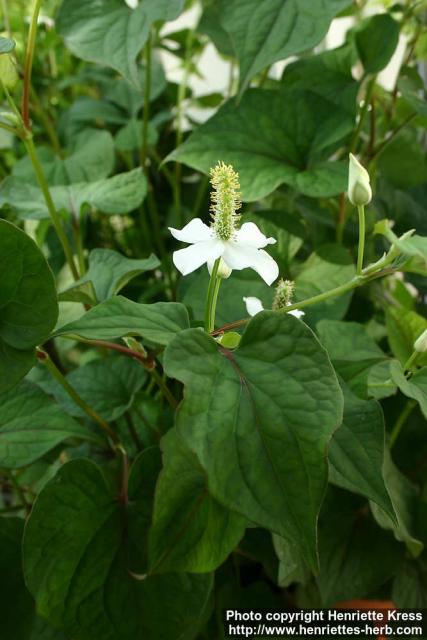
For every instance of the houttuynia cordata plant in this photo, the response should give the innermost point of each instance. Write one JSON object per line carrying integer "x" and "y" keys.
{"x": 213, "y": 342}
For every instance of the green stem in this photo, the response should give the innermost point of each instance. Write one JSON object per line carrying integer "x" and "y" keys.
{"x": 6, "y": 127}
{"x": 147, "y": 93}
{"x": 411, "y": 361}
{"x": 20, "y": 491}
{"x": 56, "y": 221}
{"x": 28, "y": 65}
{"x": 406, "y": 412}
{"x": 57, "y": 375}
{"x": 362, "y": 116}
{"x": 179, "y": 120}
{"x": 362, "y": 232}
{"x": 157, "y": 378}
{"x": 6, "y": 17}
{"x": 211, "y": 298}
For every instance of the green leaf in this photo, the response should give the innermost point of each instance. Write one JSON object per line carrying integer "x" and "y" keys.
{"x": 109, "y": 272}
{"x": 17, "y": 607}
{"x": 404, "y": 497}
{"x": 402, "y": 162}
{"x": 353, "y": 364}
{"x": 210, "y": 25}
{"x": 117, "y": 195}
{"x": 81, "y": 547}
{"x": 273, "y": 138}
{"x": 31, "y": 425}
{"x": 328, "y": 74}
{"x": 191, "y": 531}
{"x": 331, "y": 266}
{"x": 356, "y": 452}
{"x": 6, "y": 45}
{"x": 108, "y": 385}
{"x": 28, "y": 303}
{"x": 118, "y": 317}
{"x": 410, "y": 586}
{"x": 129, "y": 137}
{"x": 414, "y": 387}
{"x": 292, "y": 567}
{"x": 108, "y": 32}
{"x": 91, "y": 158}
{"x": 403, "y": 328}
{"x": 263, "y": 450}
{"x": 376, "y": 40}
{"x": 350, "y": 545}
{"x": 268, "y": 31}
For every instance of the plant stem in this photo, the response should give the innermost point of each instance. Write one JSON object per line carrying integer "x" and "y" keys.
{"x": 179, "y": 118}
{"x": 133, "y": 432}
{"x": 155, "y": 375}
{"x": 6, "y": 17}
{"x": 410, "y": 361}
{"x": 406, "y": 412}
{"x": 147, "y": 95}
{"x": 341, "y": 218}
{"x": 321, "y": 297}
{"x": 209, "y": 310}
{"x": 56, "y": 221}
{"x": 28, "y": 65}
{"x": 362, "y": 232}
{"x": 44, "y": 358}
{"x": 363, "y": 112}
{"x": 377, "y": 150}
{"x": 6, "y": 127}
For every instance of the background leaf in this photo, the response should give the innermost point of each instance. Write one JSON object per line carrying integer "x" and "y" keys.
{"x": 272, "y": 138}
{"x": 28, "y": 303}
{"x": 262, "y": 33}
{"x": 31, "y": 425}
{"x": 77, "y": 567}
{"x": 356, "y": 452}
{"x": 109, "y": 272}
{"x": 191, "y": 531}
{"x": 109, "y": 32}
{"x": 118, "y": 317}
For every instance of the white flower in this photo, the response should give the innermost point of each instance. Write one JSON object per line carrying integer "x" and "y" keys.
{"x": 224, "y": 270}
{"x": 420, "y": 344}
{"x": 238, "y": 248}
{"x": 254, "y": 306}
{"x": 244, "y": 249}
{"x": 359, "y": 188}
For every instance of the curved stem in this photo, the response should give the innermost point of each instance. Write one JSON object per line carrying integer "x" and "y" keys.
{"x": 45, "y": 359}
{"x": 28, "y": 65}
{"x": 56, "y": 220}
{"x": 209, "y": 326}
{"x": 147, "y": 92}
{"x": 362, "y": 232}
{"x": 214, "y": 302}
{"x": 406, "y": 412}
{"x": 410, "y": 361}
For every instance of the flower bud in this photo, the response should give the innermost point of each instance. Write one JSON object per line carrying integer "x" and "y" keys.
{"x": 359, "y": 188}
{"x": 420, "y": 343}
{"x": 8, "y": 73}
{"x": 224, "y": 270}
{"x": 230, "y": 340}
{"x": 283, "y": 296}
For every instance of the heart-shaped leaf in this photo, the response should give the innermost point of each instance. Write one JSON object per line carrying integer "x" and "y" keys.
{"x": 28, "y": 303}
{"x": 273, "y": 138}
{"x": 81, "y": 547}
{"x": 262, "y": 443}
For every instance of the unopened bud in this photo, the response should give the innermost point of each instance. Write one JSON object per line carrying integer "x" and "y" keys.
{"x": 420, "y": 343}
{"x": 283, "y": 296}
{"x": 359, "y": 188}
{"x": 224, "y": 270}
